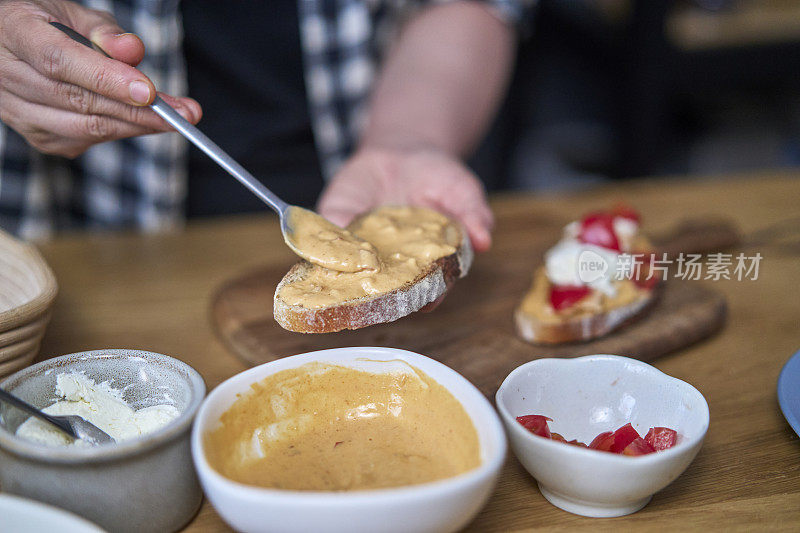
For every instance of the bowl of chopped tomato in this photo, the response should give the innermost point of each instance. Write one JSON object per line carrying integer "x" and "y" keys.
{"x": 602, "y": 433}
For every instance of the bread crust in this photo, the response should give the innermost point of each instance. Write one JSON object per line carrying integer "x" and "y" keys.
{"x": 583, "y": 327}
{"x": 427, "y": 287}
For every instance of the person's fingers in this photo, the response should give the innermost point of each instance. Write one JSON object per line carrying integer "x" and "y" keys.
{"x": 478, "y": 230}
{"x": 479, "y": 234}
{"x": 56, "y": 56}
{"x": 340, "y": 217}
{"x": 462, "y": 197}
{"x": 349, "y": 194}
{"x": 436, "y": 182}
{"x": 22, "y": 80}
{"x": 472, "y": 208}
{"x": 65, "y": 133}
{"x": 184, "y": 103}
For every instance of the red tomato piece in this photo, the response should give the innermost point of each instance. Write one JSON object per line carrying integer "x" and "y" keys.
{"x": 623, "y": 210}
{"x": 623, "y": 437}
{"x": 536, "y": 424}
{"x": 603, "y": 441}
{"x": 558, "y": 437}
{"x": 638, "y": 446}
{"x": 661, "y": 438}
{"x": 575, "y": 442}
{"x": 598, "y": 229}
{"x": 563, "y": 296}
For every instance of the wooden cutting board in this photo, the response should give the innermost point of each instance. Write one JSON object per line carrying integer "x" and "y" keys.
{"x": 472, "y": 331}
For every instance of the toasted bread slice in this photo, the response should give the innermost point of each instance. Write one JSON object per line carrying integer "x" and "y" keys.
{"x": 429, "y": 285}
{"x": 539, "y": 323}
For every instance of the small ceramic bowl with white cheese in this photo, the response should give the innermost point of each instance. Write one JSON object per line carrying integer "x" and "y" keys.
{"x": 593, "y": 395}
{"x": 348, "y": 439}
{"x": 144, "y": 481}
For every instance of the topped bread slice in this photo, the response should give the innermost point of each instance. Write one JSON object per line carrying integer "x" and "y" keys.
{"x": 422, "y": 253}
{"x": 598, "y": 278}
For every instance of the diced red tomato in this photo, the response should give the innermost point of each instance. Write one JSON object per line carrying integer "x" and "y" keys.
{"x": 563, "y": 296}
{"x": 625, "y": 211}
{"x": 603, "y": 442}
{"x": 598, "y": 229}
{"x": 638, "y": 446}
{"x": 536, "y": 424}
{"x": 624, "y": 441}
{"x": 623, "y": 437}
{"x": 615, "y": 441}
{"x": 661, "y": 438}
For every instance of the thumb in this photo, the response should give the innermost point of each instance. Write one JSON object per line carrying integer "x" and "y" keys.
{"x": 125, "y": 47}
{"x": 340, "y": 217}
{"x": 102, "y": 29}
{"x": 336, "y": 205}
{"x": 348, "y": 195}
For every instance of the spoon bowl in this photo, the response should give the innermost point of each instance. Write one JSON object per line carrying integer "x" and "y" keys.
{"x": 320, "y": 241}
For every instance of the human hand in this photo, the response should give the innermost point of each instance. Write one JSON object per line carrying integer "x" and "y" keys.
{"x": 425, "y": 177}
{"x": 64, "y": 97}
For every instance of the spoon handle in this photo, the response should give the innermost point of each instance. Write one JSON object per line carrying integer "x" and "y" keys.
{"x": 31, "y": 410}
{"x": 196, "y": 137}
{"x": 220, "y": 157}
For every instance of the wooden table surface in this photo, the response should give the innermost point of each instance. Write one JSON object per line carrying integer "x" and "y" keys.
{"x": 153, "y": 293}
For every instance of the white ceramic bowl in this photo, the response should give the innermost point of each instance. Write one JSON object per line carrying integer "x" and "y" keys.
{"x": 589, "y": 395}
{"x": 21, "y": 514}
{"x": 445, "y": 505}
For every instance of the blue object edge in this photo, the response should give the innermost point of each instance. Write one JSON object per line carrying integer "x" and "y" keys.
{"x": 789, "y": 391}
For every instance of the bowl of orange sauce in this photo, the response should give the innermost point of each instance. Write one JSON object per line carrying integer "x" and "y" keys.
{"x": 371, "y": 439}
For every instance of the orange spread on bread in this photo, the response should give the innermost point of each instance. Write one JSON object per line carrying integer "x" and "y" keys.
{"x": 406, "y": 241}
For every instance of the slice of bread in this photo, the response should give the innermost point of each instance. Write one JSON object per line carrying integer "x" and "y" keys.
{"x": 432, "y": 282}
{"x": 578, "y": 323}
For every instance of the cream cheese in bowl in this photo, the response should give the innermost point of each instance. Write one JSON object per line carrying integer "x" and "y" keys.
{"x": 100, "y": 404}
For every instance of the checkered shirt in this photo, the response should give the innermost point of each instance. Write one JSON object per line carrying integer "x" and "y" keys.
{"x": 141, "y": 182}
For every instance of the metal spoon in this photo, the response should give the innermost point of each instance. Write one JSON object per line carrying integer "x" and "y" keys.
{"x": 199, "y": 139}
{"x": 72, "y": 425}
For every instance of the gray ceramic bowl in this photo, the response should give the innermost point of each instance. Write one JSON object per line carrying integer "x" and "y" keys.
{"x": 145, "y": 484}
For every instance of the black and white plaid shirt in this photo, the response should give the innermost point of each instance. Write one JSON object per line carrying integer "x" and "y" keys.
{"x": 141, "y": 182}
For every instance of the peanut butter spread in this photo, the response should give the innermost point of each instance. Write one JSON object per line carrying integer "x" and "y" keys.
{"x": 323, "y": 243}
{"x": 407, "y": 240}
{"x": 334, "y": 428}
